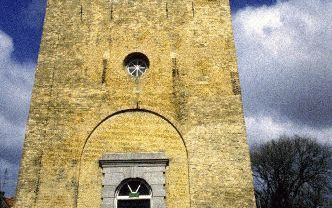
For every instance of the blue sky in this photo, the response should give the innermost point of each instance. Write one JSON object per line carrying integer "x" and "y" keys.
{"x": 284, "y": 51}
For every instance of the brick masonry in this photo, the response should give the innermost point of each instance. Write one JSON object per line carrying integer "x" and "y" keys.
{"x": 187, "y": 105}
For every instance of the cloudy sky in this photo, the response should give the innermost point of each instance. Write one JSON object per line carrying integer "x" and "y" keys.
{"x": 284, "y": 51}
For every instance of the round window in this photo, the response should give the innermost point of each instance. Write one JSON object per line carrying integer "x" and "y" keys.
{"x": 136, "y": 67}
{"x": 136, "y": 64}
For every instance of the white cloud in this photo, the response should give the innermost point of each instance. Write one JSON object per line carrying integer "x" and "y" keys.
{"x": 6, "y": 46}
{"x": 284, "y": 56}
{"x": 261, "y": 129}
{"x": 16, "y": 81}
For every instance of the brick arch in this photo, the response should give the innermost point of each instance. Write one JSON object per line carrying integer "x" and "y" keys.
{"x": 134, "y": 110}
{"x": 117, "y": 133}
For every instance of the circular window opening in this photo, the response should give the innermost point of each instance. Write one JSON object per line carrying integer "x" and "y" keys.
{"x": 136, "y": 64}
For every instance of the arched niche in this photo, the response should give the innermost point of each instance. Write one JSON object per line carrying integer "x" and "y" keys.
{"x": 134, "y": 132}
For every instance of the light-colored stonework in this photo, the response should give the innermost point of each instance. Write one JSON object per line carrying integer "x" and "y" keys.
{"x": 187, "y": 105}
{"x": 149, "y": 167}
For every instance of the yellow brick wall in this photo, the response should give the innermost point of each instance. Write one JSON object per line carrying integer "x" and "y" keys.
{"x": 134, "y": 132}
{"x": 192, "y": 82}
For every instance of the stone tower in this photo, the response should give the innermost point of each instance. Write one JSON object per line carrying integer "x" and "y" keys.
{"x": 136, "y": 103}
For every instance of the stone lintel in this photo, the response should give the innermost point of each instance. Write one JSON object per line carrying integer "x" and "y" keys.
{"x": 133, "y": 159}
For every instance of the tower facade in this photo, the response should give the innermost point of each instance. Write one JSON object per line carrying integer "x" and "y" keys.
{"x": 136, "y": 103}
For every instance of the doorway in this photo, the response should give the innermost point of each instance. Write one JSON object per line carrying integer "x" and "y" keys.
{"x": 134, "y": 193}
{"x": 144, "y": 203}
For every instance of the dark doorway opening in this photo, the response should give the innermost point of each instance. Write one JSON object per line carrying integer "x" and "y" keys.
{"x": 144, "y": 203}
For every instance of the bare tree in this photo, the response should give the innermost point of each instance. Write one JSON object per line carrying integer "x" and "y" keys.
{"x": 291, "y": 172}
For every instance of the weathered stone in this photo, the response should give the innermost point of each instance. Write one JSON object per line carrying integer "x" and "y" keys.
{"x": 186, "y": 105}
